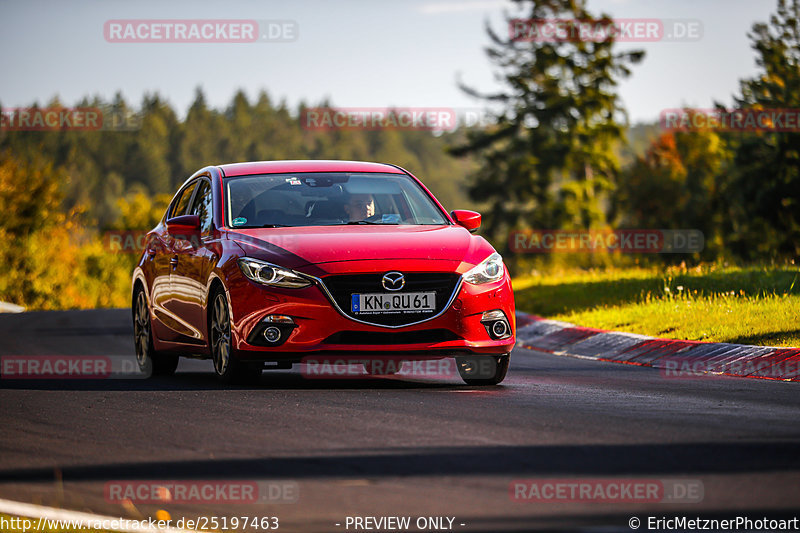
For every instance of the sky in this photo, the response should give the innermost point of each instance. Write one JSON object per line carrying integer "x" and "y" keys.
{"x": 354, "y": 53}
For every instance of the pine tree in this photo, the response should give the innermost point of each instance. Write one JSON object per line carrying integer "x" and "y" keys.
{"x": 764, "y": 189}
{"x": 548, "y": 160}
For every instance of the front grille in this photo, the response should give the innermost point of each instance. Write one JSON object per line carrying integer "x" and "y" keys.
{"x": 342, "y": 287}
{"x": 427, "y": 336}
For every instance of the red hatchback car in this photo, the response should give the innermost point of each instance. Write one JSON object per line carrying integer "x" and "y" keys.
{"x": 264, "y": 264}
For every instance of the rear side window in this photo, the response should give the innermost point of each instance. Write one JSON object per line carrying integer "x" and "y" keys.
{"x": 180, "y": 205}
{"x": 202, "y": 206}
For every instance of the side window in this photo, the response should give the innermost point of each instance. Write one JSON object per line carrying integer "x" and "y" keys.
{"x": 202, "y": 206}
{"x": 182, "y": 203}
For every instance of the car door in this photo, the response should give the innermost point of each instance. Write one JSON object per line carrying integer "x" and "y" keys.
{"x": 169, "y": 324}
{"x": 194, "y": 260}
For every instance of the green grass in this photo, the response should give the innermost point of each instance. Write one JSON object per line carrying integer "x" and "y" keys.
{"x": 752, "y": 305}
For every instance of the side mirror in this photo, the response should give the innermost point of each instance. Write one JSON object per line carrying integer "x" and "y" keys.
{"x": 183, "y": 225}
{"x": 468, "y": 219}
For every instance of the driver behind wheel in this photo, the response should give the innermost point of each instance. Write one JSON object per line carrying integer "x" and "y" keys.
{"x": 360, "y": 207}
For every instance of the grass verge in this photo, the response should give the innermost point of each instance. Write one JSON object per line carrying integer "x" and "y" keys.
{"x": 753, "y": 305}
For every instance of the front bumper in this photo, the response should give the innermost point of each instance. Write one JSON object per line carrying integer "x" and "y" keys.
{"x": 320, "y": 328}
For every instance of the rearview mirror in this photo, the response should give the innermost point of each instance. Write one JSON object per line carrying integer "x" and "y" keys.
{"x": 468, "y": 219}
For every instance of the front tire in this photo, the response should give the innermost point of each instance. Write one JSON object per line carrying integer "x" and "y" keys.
{"x": 227, "y": 368}
{"x": 484, "y": 370}
{"x": 150, "y": 361}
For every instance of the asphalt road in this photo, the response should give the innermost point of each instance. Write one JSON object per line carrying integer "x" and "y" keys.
{"x": 393, "y": 447}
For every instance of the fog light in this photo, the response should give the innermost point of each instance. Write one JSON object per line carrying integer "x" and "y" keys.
{"x": 272, "y": 334}
{"x": 496, "y": 324}
{"x": 500, "y": 328}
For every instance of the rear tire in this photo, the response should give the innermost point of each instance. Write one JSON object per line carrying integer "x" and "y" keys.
{"x": 150, "y": 361}
{"x": 483, "y": 370}
{"x": 227, "y": 368}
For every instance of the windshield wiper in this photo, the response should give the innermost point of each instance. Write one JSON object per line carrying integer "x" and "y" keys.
{"x": 274, "y": 226}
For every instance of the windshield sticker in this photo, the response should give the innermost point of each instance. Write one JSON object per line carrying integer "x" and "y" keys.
{"x": 239, "y": 221}
{"x": 391, "y": 218}
{"x": 293, "y": 181}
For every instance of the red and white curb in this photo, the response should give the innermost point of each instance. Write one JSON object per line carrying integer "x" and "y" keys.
{"x": 676, "y": 358}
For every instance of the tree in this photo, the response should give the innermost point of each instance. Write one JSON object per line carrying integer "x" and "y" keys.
{"x": 199, "y": 140}
{"x": 676, "y": 185}
{"x": 548, "y": 160}
{"x": 764, "y": 187}
{"x": 149, "y": 158}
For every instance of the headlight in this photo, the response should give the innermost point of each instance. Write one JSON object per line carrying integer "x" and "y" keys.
{"x": 490, "y": 269}
{"x": 272, "y": 275}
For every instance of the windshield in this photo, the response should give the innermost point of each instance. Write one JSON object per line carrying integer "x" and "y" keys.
{"x": 327, "y": 199}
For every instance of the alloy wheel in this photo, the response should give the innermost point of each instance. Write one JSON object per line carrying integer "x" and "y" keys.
{"x": 141, "y": 330}
{"x": 220, "y": 335}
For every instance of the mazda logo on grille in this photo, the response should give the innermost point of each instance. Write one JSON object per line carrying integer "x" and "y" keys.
{"x": 393, "y": 281}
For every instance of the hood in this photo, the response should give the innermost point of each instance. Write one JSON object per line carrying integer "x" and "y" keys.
{"x": 299, "y": 246}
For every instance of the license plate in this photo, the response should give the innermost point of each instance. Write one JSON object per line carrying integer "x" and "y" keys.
{"x": 382, "y": 303}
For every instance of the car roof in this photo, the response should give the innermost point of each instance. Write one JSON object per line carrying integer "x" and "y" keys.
{"x": 277, "y": 167}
